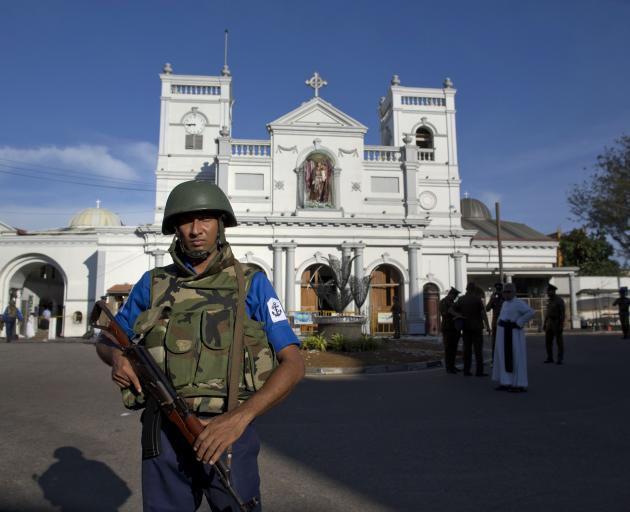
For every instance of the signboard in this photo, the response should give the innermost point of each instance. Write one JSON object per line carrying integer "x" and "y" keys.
{"x": 303, "y": 318}
{"x": 385, "y": 317}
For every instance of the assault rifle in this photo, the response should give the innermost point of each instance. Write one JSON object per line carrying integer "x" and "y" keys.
{"x": 156, "y": 384}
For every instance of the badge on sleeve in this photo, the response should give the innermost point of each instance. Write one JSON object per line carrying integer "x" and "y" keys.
{"x": 276, "y": 312}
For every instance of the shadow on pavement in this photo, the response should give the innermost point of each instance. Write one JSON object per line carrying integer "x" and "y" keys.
{"x": 74, "y": 483}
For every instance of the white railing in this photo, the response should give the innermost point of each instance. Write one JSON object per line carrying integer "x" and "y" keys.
{"x": 382, "y": 154}
{"x": 205, "y": 90}
{"x": 251, "y": 148}
{"x": 426, "y": 155}
{"x": 423, "y": 101}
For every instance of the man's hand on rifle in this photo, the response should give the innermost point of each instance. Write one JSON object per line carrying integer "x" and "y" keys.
{"x": 122, "y": 372}
{"x": 219, "y": 433}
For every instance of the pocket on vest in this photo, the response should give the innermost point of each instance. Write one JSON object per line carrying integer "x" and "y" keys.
{"x": 182, "y": 334}
{"x": 216, "y": 338}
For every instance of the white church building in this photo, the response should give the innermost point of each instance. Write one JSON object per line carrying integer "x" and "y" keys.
{"x": 311, "y": 189}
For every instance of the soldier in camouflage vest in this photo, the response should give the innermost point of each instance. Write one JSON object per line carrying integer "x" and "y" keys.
{"x": 186, "y": 314}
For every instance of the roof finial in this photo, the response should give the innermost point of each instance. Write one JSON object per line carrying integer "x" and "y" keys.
{"x": 98, "y": 203}
{"x": 466, "y": 195}
{"x": 167, "y": 69}
{"x": 316, "y": 82}
{"x": 226, "y": 70}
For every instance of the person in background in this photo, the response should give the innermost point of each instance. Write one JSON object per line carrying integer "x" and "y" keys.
{"x": 470, "y": 307}
{"x": 494, "y": 305}
{"x": 623, "y": 303}
{"x": 12, "y": 315}
{"x": 509, "y": 368}
{"x": 396, "y": 314}
{"x": 450, "y": 332}
{"x": 554, "y": 324}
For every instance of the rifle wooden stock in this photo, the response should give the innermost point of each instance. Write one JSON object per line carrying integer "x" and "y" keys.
{"x": 157, "y": 384}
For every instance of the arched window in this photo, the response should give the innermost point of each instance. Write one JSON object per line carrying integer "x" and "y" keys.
{"x": 424, "y": 138}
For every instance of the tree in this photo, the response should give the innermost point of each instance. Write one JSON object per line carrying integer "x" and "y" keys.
{"x": 592, "y": 253}
{"x": 602, "y": 202}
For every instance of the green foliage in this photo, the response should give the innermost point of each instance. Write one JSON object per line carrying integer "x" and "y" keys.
{"x": 314, "y": 342}
{"x": 592, "y": 253}
{"x": 336, "y": 342}
{"x": 602, "y": 202}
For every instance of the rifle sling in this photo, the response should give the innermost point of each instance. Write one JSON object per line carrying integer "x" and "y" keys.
{"x": 236, "y": 354}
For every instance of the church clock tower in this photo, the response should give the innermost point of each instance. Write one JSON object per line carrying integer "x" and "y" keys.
{"x": 195, "y": 111}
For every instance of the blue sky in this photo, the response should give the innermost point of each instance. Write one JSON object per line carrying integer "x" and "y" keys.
{"x": 542, "y": 88}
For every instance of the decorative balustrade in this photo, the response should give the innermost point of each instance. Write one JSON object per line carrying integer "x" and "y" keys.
{"x": 423, "y": 101}
{"x": 251, "y": 148}
{"x": 382, "y": 154}
{"x": 426, "y": 155}
{"x": 207, "y": 90}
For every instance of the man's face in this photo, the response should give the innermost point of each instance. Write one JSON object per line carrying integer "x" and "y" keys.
{"x": 551, "y": 293}
{"x": 197, "y": 231}
{"x": 508, "y": 294}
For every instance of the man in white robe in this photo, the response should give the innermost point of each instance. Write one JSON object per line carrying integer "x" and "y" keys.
{"x": 510, "y": 352}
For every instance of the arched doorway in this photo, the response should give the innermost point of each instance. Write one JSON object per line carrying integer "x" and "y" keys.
{"x": 386, "y": 284}
{"x": 431, "y": 295}
{"x": 38, "y": 286}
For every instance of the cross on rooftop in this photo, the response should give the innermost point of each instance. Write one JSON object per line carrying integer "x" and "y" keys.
{"x": 316, "y": 82}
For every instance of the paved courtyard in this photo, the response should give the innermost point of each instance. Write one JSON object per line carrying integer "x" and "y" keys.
{"x": 393, "y": 442}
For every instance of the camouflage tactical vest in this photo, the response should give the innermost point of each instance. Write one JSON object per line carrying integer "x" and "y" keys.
{"x": 189, "y": 329}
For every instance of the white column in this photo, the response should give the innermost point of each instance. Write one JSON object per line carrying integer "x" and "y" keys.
{"x": 289, "y": 301}
{"x": 158, "y": 254}
{"x": 459, "y": 277}
{"x": 358, "y": 263}
{"x": 277, "y": 268}
{"x": 575, "y": 321}
{"x": 415, "y": 320}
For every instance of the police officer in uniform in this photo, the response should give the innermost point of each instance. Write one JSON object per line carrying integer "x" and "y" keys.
{"x": 450, "y": 332}
{"x": 554, "y": 324}
{"x": 470, "y": 307}
{"x": 494, "y": 305}
{"x": 396, "y": 315}
{"x": 187, "y": 312}
{"x": 623, "y": 303}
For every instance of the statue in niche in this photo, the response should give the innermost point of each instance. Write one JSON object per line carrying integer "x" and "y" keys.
{"x": 318, "y": 181}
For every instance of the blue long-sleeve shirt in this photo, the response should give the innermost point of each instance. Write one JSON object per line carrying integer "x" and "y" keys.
{"x": 261, "y": 304}
{"x": 7, "y": 318}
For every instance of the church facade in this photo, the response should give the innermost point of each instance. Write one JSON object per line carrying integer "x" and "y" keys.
{"x": 312, "y": 189}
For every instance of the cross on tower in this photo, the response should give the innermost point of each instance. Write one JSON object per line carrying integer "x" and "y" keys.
{"x": 316, "y": 82}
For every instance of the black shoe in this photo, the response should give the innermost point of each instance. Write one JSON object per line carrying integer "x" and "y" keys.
{"x": 467, "y": 374}
{"x": 558, "y": 362}
{"x": 502, "y": 388}
{"x": 482, "y": 374}
{"x": 518, "y": 390}
{"x": 548, "y": 360}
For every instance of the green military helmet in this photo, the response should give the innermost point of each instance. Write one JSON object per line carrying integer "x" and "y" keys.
{"x": 196, "y": 196}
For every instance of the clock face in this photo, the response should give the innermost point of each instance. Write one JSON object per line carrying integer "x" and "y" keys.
{"x": 194, "y": 123}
